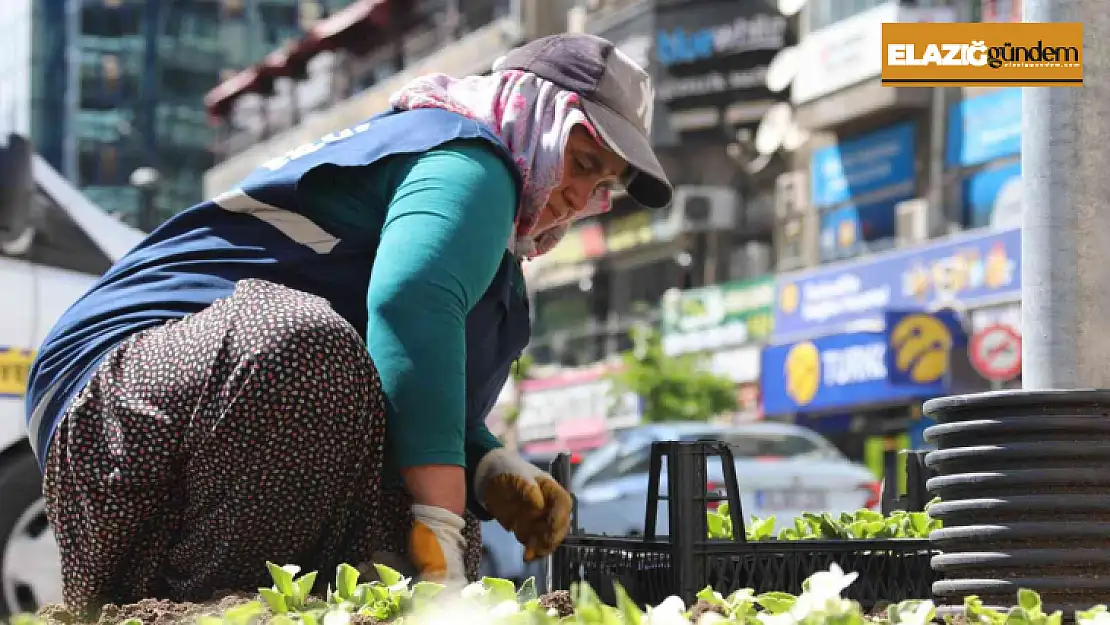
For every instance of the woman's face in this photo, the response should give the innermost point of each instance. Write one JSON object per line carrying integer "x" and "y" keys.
{"x": 587, "y": 164}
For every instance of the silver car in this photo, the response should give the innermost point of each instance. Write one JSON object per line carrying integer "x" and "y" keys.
{"x": 782, "y": 469}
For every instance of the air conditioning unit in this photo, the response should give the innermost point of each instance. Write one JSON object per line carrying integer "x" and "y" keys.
{"x": 915, "y": 222}
{"x": 795, "y": 241}
{"x": 699, "y": 208}
{"x": 791, "y": 194}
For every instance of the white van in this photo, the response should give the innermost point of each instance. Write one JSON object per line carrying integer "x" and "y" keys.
{"x": 54, "y": 244}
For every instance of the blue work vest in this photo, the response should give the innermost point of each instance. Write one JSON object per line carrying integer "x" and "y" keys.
{"x": 258, "y": 231}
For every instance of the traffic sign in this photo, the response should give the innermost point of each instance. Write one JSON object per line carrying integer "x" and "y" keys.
{"x": 995, "y": 352}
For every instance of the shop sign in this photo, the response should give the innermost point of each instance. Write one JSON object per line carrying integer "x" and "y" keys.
{"x": 882, "y": 160}
{"x": 15, "y": 366}
{"x": 851, "y": 50}
{"x": 993, "y": 198}
{"x": 575, "y": 396}
{"x": 908, "y": 359}
{"x": 995, "y": 352}
{"x": 630, "y": 231}
{"x": 711, "y": 53}
{"x": 581, "y": 242}
{"x": 721, "y": 315}
{"x": 856, "y": 229}
{"x": 971, "y": 270}
{"x": 984, "y": 128}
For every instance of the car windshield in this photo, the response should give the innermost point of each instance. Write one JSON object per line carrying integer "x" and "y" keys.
{"x": 775, "y": 445}
{"x": 632, "y": 454}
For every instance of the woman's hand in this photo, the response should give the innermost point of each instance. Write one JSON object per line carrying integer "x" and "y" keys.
{"x": 525, "y": 501}
{"x": 436, "y": 545}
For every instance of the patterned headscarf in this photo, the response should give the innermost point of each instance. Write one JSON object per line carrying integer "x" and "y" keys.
{"x": 533, "y": 117}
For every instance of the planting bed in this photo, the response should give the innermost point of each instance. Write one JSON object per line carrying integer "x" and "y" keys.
{"x": 498, "y": 602}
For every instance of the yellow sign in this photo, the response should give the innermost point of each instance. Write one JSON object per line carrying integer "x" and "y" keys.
{"x": 802, "y": 372}
{"x": 788, "y": 298}
{"x": 921, "y": 344}
{"x": 1024, "y": 54}
{"x": 15, "y": 366}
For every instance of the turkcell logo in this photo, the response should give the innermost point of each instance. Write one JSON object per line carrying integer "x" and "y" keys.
{"x": 854, "y": 365}
{"x": 760, "y": 32}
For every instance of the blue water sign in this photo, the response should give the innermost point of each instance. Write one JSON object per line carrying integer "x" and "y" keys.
{"x": 983, "y": 128}
{"x": 877, "y": 161}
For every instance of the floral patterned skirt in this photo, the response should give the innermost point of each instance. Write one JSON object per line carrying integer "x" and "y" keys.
{"x": 253, "y": 430}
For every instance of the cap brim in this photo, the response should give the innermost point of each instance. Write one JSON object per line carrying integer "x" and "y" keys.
{"x": 648, "y": 184}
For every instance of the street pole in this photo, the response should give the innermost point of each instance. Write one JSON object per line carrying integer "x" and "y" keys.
{"x": 1065, "y": 257}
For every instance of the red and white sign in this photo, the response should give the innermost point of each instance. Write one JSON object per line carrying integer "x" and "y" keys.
{"x": 995, "y": 352}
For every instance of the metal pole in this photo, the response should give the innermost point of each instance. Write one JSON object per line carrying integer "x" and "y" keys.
{"x": 1065, "y": 258}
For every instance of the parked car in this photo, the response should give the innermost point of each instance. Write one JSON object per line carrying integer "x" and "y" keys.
{"x": 502, "y": 555}
{"x": 782, "y": 470}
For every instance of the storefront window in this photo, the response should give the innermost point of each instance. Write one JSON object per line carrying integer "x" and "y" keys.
{"x": 823, "y": 13}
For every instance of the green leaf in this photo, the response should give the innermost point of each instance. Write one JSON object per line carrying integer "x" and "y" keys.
{"x": 776, "y": 602}
{"x": 919, "y": 521}
{"x": 711, "y": 596}
{"x": 425, "y": 591}
{"x": 388, "y": 576}
{"x": 242, "y": 614}
{"x": 132, "y": 621}
{"x": 716, "y": 527}
{"x": 527, "y": 591}
{"x": 630, "y": 612}
{"x": 346, "y": 579}
{"x": 587, "y": 606}
{"x": 762, "y": 529}
{"x": 274, "y": 600}
{"x": 1029, "y": 600}
{"x": 499, "y": 589}
{"x": 282, "y": 619}
{"x": 283, "y": 576}
{"x": 1085, "y": 615}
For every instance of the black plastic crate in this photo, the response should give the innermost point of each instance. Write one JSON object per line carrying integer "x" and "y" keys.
{"x": 652, "y": 569}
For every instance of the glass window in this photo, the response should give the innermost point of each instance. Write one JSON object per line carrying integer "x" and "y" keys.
{"x": 765, "y": 445}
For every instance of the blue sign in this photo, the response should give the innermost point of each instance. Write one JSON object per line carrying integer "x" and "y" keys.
{"x": 984, "y": 128}
{"x": 992, "y": 197}
{"x": 852, "y": 230}
{"x": 908, "y": 360}
{"x": 872, "y": 162}
{"x": 975, "y": 269}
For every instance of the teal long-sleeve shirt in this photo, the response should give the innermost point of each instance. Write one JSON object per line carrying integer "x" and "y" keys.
{"x": 442, "y": 219}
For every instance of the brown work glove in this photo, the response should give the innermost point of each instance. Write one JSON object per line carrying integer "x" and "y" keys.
{"x": 525, "y": 501}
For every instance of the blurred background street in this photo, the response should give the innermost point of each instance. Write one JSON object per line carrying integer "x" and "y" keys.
{"x": 837, "y": 252}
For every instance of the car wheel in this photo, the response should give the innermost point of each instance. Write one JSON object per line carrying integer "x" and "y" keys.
{"x": 30, "y": 568}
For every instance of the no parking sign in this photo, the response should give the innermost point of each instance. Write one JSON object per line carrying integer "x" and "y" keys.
{"x": 995, "y": 352}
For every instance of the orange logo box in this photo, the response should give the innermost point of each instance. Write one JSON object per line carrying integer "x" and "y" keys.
{"x": 1024, "y": 54}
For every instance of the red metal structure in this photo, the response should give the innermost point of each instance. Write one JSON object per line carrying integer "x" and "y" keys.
{"x": 353, "y": 27}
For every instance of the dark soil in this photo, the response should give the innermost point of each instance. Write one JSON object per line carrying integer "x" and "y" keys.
{"x": 702, "y": 607}
{"x": 560, "y": 600}
{"x": 149, "y": 611}
{"x": 164, "y": 612}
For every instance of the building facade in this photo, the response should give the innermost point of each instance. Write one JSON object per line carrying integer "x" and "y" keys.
{"x": 114, "y": 86}
{"x": 813, "y": 207}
